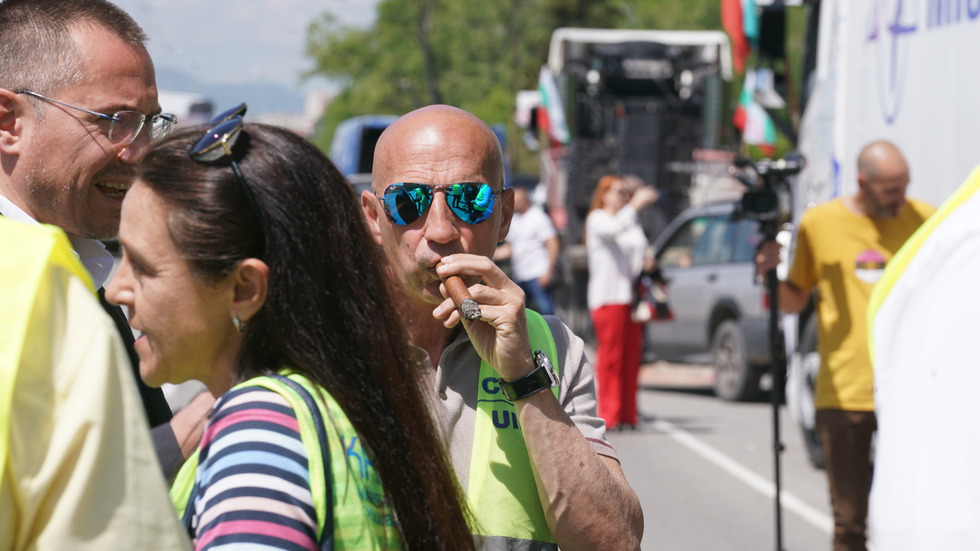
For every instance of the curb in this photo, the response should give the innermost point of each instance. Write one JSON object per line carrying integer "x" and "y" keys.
{"x": 670, "y": 375}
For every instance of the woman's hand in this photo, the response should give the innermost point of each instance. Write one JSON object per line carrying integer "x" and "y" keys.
{"x": 644, "y": 197}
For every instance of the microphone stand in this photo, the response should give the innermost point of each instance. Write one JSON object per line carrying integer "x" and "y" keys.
{"x": 776, "y": 356}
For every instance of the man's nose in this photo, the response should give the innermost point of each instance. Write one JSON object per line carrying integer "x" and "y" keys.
{"x": 440, "y": 222}
{"x": 115, "y": 290}
{"x": 135, "y": 151}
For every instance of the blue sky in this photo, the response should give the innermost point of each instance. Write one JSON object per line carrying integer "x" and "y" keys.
{"x": 238, "y": 40}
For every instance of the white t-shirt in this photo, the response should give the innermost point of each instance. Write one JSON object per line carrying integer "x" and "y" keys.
{"x": 527, "y": 236}
{"x": 615, "y": 247}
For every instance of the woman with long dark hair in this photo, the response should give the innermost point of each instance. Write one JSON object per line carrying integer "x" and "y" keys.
{"x": 247, "y": 265}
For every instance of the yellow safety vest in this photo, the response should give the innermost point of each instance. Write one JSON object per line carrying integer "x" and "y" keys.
{"x": 361, "y": 517}
{"x": 33, "y": 257}
{"x": 501, "y": 489}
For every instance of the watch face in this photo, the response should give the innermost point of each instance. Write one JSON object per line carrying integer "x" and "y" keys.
{"x": 543, "y": 377}
{"x": 543, "y": 362}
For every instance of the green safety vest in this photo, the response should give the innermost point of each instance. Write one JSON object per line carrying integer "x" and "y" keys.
{"x": 361, "y": 517}
{"x": 501, "y": 489}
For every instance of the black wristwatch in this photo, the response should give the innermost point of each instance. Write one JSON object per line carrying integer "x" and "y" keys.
{"x": 543, "y": 377}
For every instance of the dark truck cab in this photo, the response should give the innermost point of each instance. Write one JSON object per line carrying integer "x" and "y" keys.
{"x": 352, "y": 148}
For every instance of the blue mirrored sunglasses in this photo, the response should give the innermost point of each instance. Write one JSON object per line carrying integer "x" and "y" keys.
{"x": 471, "y": 202}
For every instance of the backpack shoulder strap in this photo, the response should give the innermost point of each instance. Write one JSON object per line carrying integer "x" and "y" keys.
{"x": 326, "y": 535}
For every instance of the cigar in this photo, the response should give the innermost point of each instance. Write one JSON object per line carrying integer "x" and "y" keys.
{"x": 463, "y": 299}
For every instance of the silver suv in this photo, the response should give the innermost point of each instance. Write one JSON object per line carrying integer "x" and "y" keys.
{"x": 720, "y": 314}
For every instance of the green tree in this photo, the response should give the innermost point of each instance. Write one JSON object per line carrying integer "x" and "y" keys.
{"x": 470, "y": 53}
{"x": 698, "y": 15}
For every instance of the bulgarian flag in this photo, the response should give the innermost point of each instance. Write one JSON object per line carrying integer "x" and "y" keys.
{"x": 552, "y": 117}
{"x": 740, "y": 21}
{"x": 750, "y": 23}
{"x": 731, "y": 21}
{"x": 751, "y": 119}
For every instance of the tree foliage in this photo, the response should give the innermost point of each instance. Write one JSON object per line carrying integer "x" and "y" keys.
{"x": 470, "y": 53}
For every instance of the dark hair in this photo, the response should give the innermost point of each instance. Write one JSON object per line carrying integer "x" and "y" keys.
{"x": 37, "y": 49}
{"x": 327, "y": 315}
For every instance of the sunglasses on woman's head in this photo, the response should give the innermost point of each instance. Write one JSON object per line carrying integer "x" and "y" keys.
{"x": 219, "y": 140}
{"x": 218, "y": 143}
{"x": 471, "y": 202}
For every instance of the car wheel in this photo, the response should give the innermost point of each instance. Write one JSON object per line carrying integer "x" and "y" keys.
{"x": 810, "y": 367}
{"x": 735, "y": 379}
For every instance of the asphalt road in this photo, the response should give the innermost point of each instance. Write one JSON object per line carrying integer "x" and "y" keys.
{"x": 704, "y": 471}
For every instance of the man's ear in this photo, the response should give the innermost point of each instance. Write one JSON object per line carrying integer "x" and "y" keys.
{"x": 11, "y": 115}
{"x": 506, "y": 212}
{"x": 371, "y": 208}
{"x": 251, "y": 285}
{"x": 862, "y": 180}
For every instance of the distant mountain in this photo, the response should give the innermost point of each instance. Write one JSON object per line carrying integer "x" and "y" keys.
{"x": 262, "y": 97}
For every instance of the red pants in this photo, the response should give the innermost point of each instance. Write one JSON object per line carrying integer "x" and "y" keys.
{"x": 617, "y": 363}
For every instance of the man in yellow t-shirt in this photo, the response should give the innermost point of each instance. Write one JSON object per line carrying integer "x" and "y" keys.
{"x": 842, "y": 248}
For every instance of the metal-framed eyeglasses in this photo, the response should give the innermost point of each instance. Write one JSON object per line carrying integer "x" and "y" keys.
{"x": 125, "y": 125}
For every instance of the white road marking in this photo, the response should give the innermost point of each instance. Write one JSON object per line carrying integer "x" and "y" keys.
{"x": 790, "y": 502}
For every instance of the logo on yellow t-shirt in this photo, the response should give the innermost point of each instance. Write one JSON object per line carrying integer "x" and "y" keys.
{"x": 869, "y": 266}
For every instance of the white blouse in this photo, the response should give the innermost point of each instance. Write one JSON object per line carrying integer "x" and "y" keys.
{"x": 615, "y": 247}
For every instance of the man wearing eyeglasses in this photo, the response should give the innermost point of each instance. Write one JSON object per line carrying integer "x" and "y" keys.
{"x": 515, "y": 393}
{"x": 78, "y": 107}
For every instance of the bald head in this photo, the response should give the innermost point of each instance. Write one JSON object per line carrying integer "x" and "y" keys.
{"x": 881, "y": 157}
{"x": 447, "y": 136}
{"x": 883, "y": 176}
{"x": 436, "y": 146}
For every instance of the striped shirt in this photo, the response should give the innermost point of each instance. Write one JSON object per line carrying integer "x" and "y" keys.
{"x": 252, "y": 489}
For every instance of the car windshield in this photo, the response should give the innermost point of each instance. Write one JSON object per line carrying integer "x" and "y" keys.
{"x": 747, "y": 241}
{"x": 677, "y": 251}
{"x": 715, "y": 243}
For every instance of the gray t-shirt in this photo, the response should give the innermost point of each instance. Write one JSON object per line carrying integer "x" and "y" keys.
{"x": 456, "y": 381}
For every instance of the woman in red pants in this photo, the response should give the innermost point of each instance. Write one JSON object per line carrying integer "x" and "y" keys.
{"x": 616, "y": 247}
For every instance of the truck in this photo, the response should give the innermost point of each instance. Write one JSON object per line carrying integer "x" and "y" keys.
{"x": 352, "y": 148}
{"x": 636, "y": 102}
{"x": 895, "y": 70}
{"x": 190, "y": 107}
{"x": 643, "y": 102}
{"x": 898, "y": 70}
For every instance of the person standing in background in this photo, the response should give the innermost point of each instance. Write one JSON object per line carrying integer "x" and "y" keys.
{"x": 616, "y": 247}
{"x": 533, "y": 247}
{"x": 842, "y": 248}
